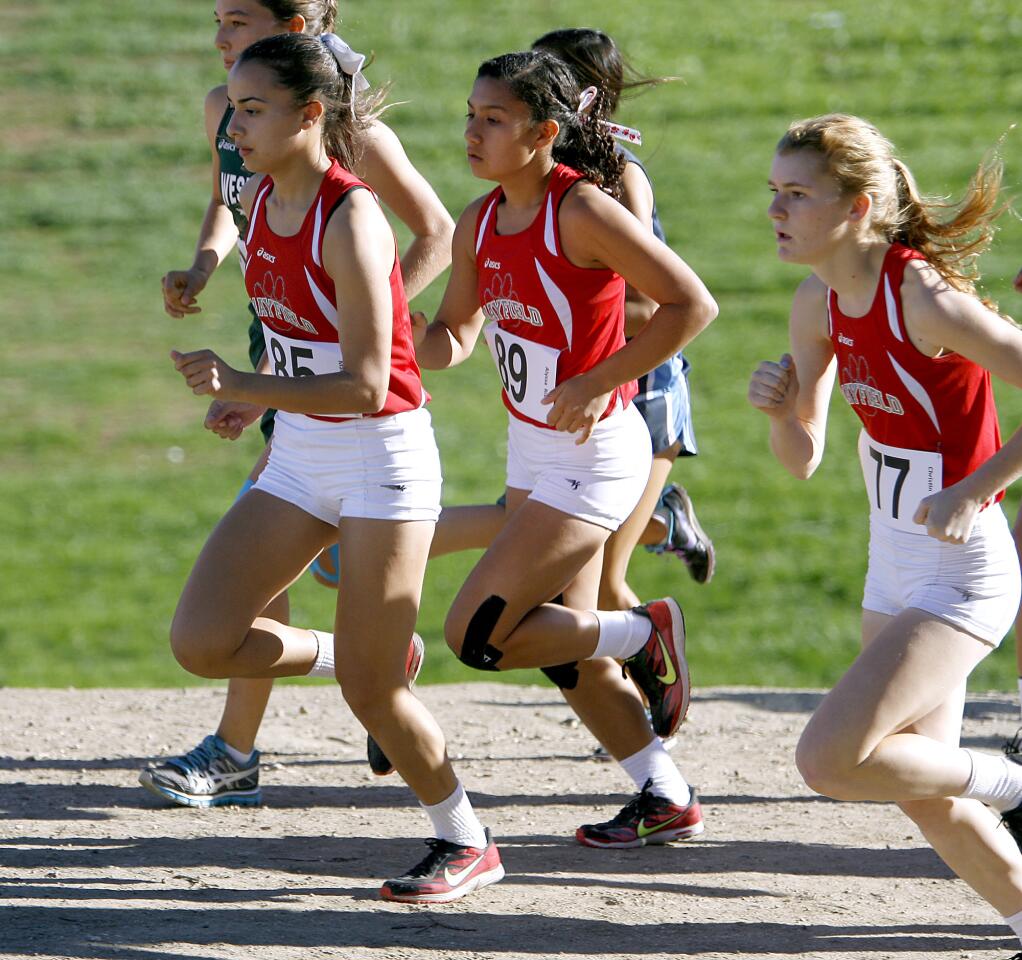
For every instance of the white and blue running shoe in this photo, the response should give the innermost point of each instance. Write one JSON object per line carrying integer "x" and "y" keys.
{"x": 205, "y": 777}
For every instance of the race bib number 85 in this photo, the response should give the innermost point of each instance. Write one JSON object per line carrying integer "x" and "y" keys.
{"x": 897, "y": 478}
{"x": 527, "y": 370}
{"x": 302, "y": 358}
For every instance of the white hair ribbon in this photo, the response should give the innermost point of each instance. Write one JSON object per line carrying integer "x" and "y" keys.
{"x": 616, "y": 130}
{"x": 586, "y": 100}
{"x": 619, "y": 132}
{"x": 348, "y": 60}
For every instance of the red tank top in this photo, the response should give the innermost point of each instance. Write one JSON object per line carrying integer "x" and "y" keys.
{"x": 550, "y": 320}
{"x": 905, "y": 399}
{"x": 295, "y": 299}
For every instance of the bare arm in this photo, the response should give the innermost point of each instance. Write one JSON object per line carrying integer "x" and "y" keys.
{"x": 597, "y": 231}
{"x": 386, "y": 168}
{"x": 637, "y": 199}
{"x": 938, "y": 318}
{"x": 358, "y": 251}
{"x": 795, "y": 393}
{"x": 450, "y": 338}
{"x": 217, "y": 234}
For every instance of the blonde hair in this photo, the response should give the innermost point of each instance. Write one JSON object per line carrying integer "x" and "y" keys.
{"x": 862, "y": 160}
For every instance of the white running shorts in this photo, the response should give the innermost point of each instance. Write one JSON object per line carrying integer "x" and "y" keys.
{"x": 973, "y": 585}
{"x": 378, "y": 468}
{"x": 599, "y": 481}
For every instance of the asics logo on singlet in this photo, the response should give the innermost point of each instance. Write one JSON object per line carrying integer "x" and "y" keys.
{"x": 266, "y": 256}
{"x": 847, "y": 341}
{"x": 491, "y": 264}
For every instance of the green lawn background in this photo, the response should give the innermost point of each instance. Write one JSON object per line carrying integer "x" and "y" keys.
{"x": 108, "y": 484}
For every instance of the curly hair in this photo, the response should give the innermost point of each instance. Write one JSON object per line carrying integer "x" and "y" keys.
{"x": 547, "y": 86}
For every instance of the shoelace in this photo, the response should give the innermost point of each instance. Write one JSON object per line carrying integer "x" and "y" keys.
{"x": 438, "y": 850}
{"x": 197, "y": 759}
{"x": 637, "y": 806}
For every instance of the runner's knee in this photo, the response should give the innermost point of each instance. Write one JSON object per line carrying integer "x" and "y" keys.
{"x": 471, "y": 636}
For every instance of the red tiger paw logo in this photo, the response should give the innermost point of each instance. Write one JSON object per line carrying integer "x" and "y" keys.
{"x": 272, "y": 288}
{"x": 857, "y": 371}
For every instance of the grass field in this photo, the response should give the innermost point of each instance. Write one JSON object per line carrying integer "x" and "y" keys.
{"x": 108, "y": 484}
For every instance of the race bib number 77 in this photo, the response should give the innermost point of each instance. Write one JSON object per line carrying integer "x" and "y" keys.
{"x": 897, "y": 478}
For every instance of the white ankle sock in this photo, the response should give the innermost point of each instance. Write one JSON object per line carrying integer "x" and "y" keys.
{"x": 454, "y": 820}
{"x": 236, "y": 755}
{"x": 1015, "y": 922}
{"x": 1020, "y": 699}
{"x": 324, "y": 665}
{"x": 654, "y": 763}
{"x": 622, "y": 633}
{"x": 996, "y": 781}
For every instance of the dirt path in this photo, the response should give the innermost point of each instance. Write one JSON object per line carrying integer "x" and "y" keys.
{"x": 91, "y": 866}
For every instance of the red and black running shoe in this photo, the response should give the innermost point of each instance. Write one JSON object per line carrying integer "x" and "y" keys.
{"x": 449, "y": 871}
{"x": 378, "y": 761}
{"x": 644, "y": 820}
{"x": 660, "y": 669}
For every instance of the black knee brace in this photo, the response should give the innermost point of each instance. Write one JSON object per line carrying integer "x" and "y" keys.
{"x": 564, "y": 675}
{"x": 476, "y": 649}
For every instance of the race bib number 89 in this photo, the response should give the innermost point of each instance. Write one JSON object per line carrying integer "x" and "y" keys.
{"x": 897, "y": 478}
{"x": 527, "y": 370}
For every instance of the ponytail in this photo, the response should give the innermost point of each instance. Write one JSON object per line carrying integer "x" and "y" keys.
{"x": 318, "y": 69}
{"x": 861, "y": 160}
{"x": 952, "y": 245}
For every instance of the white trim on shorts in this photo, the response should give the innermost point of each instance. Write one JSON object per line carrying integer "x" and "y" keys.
{"x": 599, "y": 481}
{"x": 377, "y": 468}
{"x": 974, "y": 586}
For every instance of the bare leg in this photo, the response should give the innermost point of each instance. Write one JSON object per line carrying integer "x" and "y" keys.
{"x": 377, "y": 603}
{"x": 466, "y": 528}
{"x": 260, "y": 546}
{"x": 889, "y": 731}
{"x": 615, "y": 593}
{"x": 537, "y": 554}
{"x": 247, "y": 698}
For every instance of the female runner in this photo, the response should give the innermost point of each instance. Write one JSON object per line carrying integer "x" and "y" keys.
{"x": 353, "y": 455}
{"x": 891, "y": 309}
{"x": 224, "y": 767}
{"x": 545, "y": 258}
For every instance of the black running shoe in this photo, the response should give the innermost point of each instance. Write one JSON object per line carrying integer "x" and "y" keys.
{"x": 448, "y": 872}
{"x": 645, "y": 819}
{"x": 660, "y": 669}
{"x": 378, "y": 761}
{"x": 686, "y": 539}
